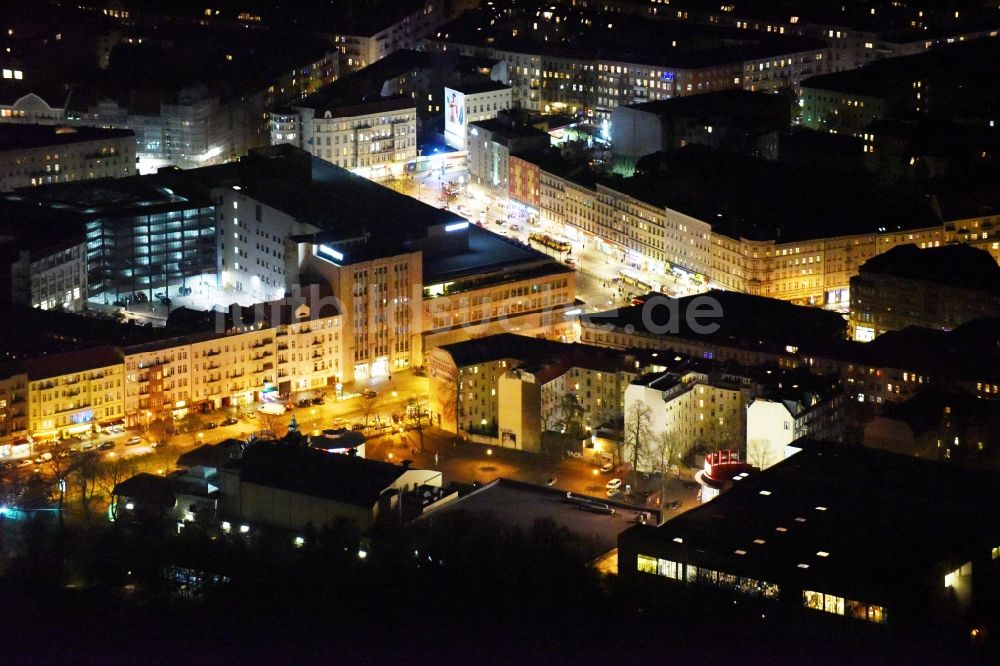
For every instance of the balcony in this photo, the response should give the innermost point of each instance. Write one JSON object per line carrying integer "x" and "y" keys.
{"x": 282, "y": 346}
{"x": 262, "y": 343}
{"x": 213, "y": 352}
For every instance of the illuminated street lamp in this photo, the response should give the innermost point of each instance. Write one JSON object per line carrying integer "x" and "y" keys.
{"x": 489, "y": 452}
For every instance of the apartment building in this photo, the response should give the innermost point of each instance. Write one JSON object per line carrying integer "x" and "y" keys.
{"x": 370, "y": 33}
{"x": 13, "y": 411}
{"x": 74, "y": 392}
{"x": 472, "y": 103}
{"x": 663, "y": 225}
{"x": 21, "y": 104}
{"x": 689, "y": 407}
{"x": 847, "y": 102}
{"x": 492, "y": 143}
{"x": 939, "y": 288}
{"x": 45, "y": 263}
{"x": 783, "y": 414}
{"x": 665, "y": 59}
{"x": 766, "y": 331}
{"x": 514, "y": 387}
{"x": 285, "y": 347}
{"x": 38, "y": 154}
{"x": 370, "y": 136}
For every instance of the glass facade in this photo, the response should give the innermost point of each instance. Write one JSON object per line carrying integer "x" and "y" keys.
{"x": 138, "y": 254}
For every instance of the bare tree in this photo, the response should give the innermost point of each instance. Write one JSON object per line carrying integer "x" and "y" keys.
{"x": 668, "y": 448}
{"x": 59, "y": 467}
{"x": 111, "y": 472}
{"x": 568, "y": 415}
{"x": 637, "y": 433}
{"x": 368, "y": 403}
{"x": 84, "y": 478}
{"x": 759, "y": 453}
{"x": 269, "y": 423}
{"x": 415, "y": 415}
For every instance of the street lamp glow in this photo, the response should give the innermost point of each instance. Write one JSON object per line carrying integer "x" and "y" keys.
{"x": 489, "y": 452}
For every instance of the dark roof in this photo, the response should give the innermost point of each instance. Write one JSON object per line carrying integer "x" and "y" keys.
{"x": 500, "y": 346}
{"x": 547, "y": 358}
{"x": 929, "y": 408}
{"x": 967, "y": 352}
{"x": 479, "y": 87}
{"x": 300, "y": 469}
{"x": 634, "y": 39}
{"x": 747, "y": 322}
{"x": 508, "y": 130}
{"x": 957, "y": 265}
{"x": 147, "y": 488}
{"x": 68, "y": 363}
{"x": 803, "y": 202}
{"x": 969, "y": 67}
{"x": 365, "y": 85}
{"x": 209, "y": 455}
{"x": 736, "y": 103}
{"x": 16, "y": 136}
{"x": 40, "y": 332}
{"x": 885, "y": 522}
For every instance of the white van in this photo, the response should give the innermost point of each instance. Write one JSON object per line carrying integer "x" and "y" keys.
{"x": 275, "y": 408}
{"x": 613, "y": 484}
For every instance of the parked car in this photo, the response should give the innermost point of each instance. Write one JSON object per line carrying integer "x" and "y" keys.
{"x": 211, "y": 425}
{"x": 105, "y": 446}
{"x": 154, "y": 445}
{"x": 318, "y": 401}
{"x": 45, "y": 457}
{"x": 369, "y": 393}
{"x": 613, "y": 484}
{"x": 27, "y": 462}
{"x": 304, "y": 402}
{"x": 607, "y": 467}
{"x": 87, "y": 446}
{"x": 229, "y": 420}
{"x": 132, "y": 441}
{"x": 358, "y": 426}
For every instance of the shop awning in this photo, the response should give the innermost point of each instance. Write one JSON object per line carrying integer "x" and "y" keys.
{"x": 109, "y": 424}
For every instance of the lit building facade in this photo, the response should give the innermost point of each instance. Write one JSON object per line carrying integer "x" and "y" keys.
{"x": 13, "y": 412}
{"x": 291, "y": 346}
{"x": 74, "y": 392}
{"x": 369, "y": 136}
{"x": 41, "y": 154}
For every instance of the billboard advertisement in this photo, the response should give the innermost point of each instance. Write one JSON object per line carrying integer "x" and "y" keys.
{"x": 454, "y": 118}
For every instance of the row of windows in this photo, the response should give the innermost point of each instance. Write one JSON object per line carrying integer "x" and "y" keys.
{"x": 703, "y": 576}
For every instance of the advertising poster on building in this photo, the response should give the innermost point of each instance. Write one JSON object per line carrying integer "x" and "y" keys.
{"x": 454, "y": 118}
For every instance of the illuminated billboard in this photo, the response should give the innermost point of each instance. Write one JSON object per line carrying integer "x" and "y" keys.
{"x": 454, "y": 118}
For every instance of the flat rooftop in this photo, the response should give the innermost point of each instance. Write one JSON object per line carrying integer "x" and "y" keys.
{"x": 804, "y": 202}
{"x": 16, "y": 136}
{"x": 489, "y": 253}
{"x": 521, "y": 505}
{"x": 862, "y": 521}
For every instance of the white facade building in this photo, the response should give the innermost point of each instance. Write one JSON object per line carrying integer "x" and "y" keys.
{"x": 470, "y": 104}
